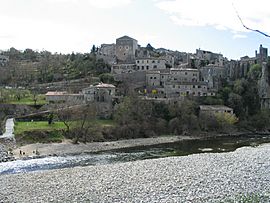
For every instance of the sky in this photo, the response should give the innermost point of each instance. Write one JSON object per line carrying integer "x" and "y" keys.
{"x": 66, "y": 26}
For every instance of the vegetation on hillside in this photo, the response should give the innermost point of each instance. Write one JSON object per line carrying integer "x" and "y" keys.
{"x": 29, "y": 67}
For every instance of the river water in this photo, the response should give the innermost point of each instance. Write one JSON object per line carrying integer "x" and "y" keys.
{"x": 213, "y": 145}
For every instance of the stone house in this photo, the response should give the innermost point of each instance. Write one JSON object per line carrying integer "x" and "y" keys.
{"x": 185, "y": 75}
{"x": 213, "y": 109}
{"x": 63, "y": 97}
{"x": 102, "y": 96}
{"x": 153, "y": 78}
{"x": 213, "y": 75}
{"x": 176, "y": 89}
{"x": 123, "y": 68}
{"x": 142, "y": 52}
{"x": 175, "y": 84}
{"x": 210, "y": 57}
{"x": 99, "y": 93}
{"x": 126, "y": 49}
{"x": 107, "y": 53}
{"x": 146, "y": 64}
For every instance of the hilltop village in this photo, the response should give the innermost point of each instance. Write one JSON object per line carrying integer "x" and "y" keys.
{"x": 166, "y": 76}
{"x": 144, "y": 91}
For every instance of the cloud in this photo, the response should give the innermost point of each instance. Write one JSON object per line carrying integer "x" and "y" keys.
{"x": 239, "y": 36}
{"x": 101, "y": 4}
{"x": 108, "y": 4}
{"x": 219, "y": 14}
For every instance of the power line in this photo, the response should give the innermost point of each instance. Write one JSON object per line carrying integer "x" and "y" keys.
{"x": 254, "y": 30}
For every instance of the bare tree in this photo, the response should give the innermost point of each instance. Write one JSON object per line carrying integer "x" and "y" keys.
{"x": 79, "y": 122}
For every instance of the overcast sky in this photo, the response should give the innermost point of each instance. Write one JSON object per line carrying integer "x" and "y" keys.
{"x": 185, "y": 25}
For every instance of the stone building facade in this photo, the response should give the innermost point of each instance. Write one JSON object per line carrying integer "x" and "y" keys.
{"x": 214, "y": 109}
{"x": 146, "y": 64}
{"x": 99, "y": 93}
{"x": 102, "y": 96}
{"x": 126, "y": 49}
{"x": 213, "y": 75}
{"x": 176, "y": 83}
{"x": 185, "y": 75}
{"x": 63, "y": 97}
{"x": 262, "y": 55}
{"x": 107, "y": 53}
{"x": 123, "y": 68}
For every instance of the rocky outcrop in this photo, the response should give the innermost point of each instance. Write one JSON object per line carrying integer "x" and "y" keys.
{"x": 264, "y": 87}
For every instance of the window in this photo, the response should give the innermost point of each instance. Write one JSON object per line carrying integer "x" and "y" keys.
{"x": 155, "y": 78}
{"x": 153, "y": 61}
{"x": 199, "y": 86}
{"x": 142, "y": 67}
{"x": 162, "y": 77}
{"x": 138, "y": 61}
{"x": 147, "y": 67}
{"x": 158, "y": 61}
{"x": 185, "y": 73}
{"x": 155, "y": 66}
{"x": 173, "y": 86}
{"x": 127, "y": 47}
{"x": 151, "y": 78}
{"x": 120, "y": 47}
{"x": 194, "y": 86}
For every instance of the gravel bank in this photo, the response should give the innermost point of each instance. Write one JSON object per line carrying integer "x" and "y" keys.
{"x": 195, "y": 178}
{"x": 4, "y": 155}
{"x": 67, "y": 147}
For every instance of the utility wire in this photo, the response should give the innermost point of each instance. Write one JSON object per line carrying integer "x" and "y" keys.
{"x": 266, "y": 35}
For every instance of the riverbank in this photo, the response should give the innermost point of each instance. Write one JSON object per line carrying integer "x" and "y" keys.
{"x": 197, "y": 178}
{"x": 68, "y": 148}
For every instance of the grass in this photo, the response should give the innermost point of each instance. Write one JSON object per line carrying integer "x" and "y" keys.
{"x": 42, "y": 132}
{"x": 41, "y": 100}
{"x": 21, "y": 127}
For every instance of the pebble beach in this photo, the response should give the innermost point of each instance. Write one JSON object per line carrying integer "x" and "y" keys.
{"x": 208, "y": 177}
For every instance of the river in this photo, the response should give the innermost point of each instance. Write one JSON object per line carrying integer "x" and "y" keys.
{"x": 183, "y": 148}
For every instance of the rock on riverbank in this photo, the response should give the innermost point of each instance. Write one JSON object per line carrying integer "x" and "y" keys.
{"x": 4, "y": 155}
{"x": 195, "y": 178}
